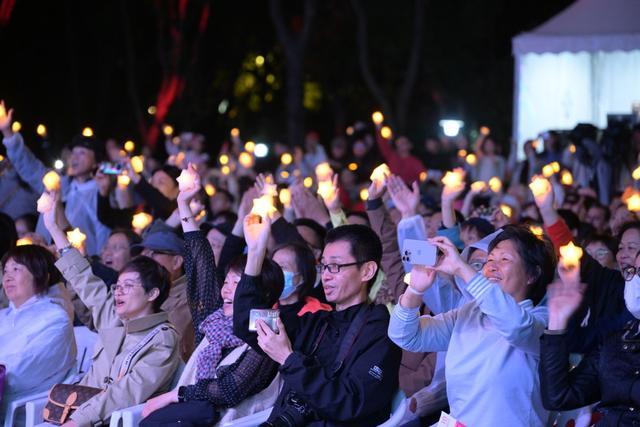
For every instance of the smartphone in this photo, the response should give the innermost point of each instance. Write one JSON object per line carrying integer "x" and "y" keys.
{"x": 419, "y": 252}
{"x": 268, "y": 316}
{"x": 109, "y": 168}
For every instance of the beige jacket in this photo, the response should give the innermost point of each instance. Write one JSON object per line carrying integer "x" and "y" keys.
{"x": 177, "y": 307}
{"x": 151, "y": 369}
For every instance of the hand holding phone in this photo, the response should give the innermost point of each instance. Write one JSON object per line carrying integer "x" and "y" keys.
{"x": 268, "y": 316}
{"x": 419, "y": 252}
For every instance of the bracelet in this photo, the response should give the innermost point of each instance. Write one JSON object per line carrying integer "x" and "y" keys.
{"x": 64, "y": 250}
{"x": 413, "y": 291}
{"x": 186, "y": 218}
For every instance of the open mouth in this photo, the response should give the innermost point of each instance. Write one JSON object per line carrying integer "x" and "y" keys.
{"x": 119, "y": 303}
{"x": 227, "y": 301}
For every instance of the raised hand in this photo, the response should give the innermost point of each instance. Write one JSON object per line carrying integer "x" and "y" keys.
{"x": 186, "y": 195}
{"x": 256, "y": 232}
{"x": 421, "y": 278}
{"x": 276, "y": 345}
{"x": 405, "y": 200}
{"x": 451, "y": 262}
{"x": 331, "y": 196}
{"x": 104, "y": 183}
{"x": 377, "y": 189}
{"x": 5, "y": 120}
{"x": 564, "y": 297}
{"x": 265, "y": 185}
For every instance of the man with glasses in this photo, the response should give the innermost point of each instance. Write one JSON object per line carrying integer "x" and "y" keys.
{"x": 340, "y": 367}
{"x": 165, "y": 247}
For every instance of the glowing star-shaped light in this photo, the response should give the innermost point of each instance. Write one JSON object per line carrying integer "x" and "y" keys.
{"x": 307, "y": 182}
{"x": 226, "y": 170}
{"x": 633, "y": 203}
{"x": 137, "y": 163}
{"x": 141, "y": 220}
{"x": 285, "y": 197}
{"x": 224, "y": 159}
{"x": 167, "y": 130}
{"x": 325, "y": 190}
{"x": 572, "y": 149}
{"x": 462, "y": 153}
{"x": 478, "y": 186}
{"x": 41, "y": 130}
{"x": 87, "y": 132}
{"x": 386, "y": 132}
{"x": 352, "y": 166}
{"x": 484, "y": 130}
{"x": 364, "y": 194}
{"x": 636, "y": 173}
{"x": 423, "y": 176}
{"x": 210, "y": 190}
{"x": 380, "y": 173}
{"x": 323, "y": 171}
{"x": 495, "y": 184}
{"x": 453, "y": 178}
{"x": 536, "y": 230}
{"x": 555, "y": 166}
{"x": 235, "y": 132}
{"x": 286, "y": 159}
{"x": 187, "y": 180}
{"x": 76, "y": 237}
{"x": 377, "y": 117}
{"x": 249, "y": 146}
{"x": 123, "y": 181}
{"x": 506, "y": 210}
{"x": 566, "y": 178}
{"x": 539, "y": 186}
{"x": 570, "y": 255}
{"x": 245, "y": 159}
{"x": 471, "y": 159}
{"x": 547, "y": 171}
{"x": 263, "y": 206}
{"x": 24, "y": 241}
{"x": 51, "y": 181}
{"x": 45, "y": 202}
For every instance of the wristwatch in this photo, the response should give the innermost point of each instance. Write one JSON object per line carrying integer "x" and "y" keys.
{"x": 65, "y": 250}
{"x": 181, "y": 393}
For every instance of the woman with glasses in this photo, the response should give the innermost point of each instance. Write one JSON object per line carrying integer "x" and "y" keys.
{"x": 492, "y": 342}
{"x": 609, "y": 375}
{"x": 603, "y": 249}
{"x": 36, "y": 335}
{"x": 137, "y": 352}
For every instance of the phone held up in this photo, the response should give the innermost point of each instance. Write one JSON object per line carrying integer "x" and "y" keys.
{"x": 268, "y": 316}
{"x": 420, "y": 252}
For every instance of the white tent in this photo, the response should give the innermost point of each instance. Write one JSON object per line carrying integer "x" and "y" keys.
{"x": 579, "y": 66}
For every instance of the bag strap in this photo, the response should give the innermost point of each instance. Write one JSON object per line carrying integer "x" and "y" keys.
{"x": 126, "y": 363}
{"x": 349, "y": 339}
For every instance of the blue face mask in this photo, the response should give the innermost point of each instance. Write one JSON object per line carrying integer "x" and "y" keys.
{"x": 289, "y": 286}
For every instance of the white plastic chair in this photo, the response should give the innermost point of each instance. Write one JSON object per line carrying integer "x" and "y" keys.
{"x": 250, "y": 420}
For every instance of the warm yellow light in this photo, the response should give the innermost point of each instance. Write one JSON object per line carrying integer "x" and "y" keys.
{"x": 284, "y": 175}
{"x": 45, "y": 202}
{"x": 263, "y": 206}
{"x": 462, "y": 153}
{"x": 141, "y": 220}
{"x": 636, "y": 173}
{"x": 349, "y": 130}
{"x": 235, "y": 132}
{"x": 168, "y": 130}
{"x": 471, "y": 159}
{"x": 137, "y": 163}
{"x": 352, "y": 167}
{"x": 423, "y": 176}
{"x": 24, "y": 241}
{"x": 285, "y": 197}
{"x": 41, "y": 130}
{"x": 323, "y": 171}
{"x": 535, "y": 144}
{"x": 210, "y": 190}
{"x": 364, "y": 194}
{"x": 453, "y": 178}
{"x": 259, "y": 60}
{"x": 547, "y": 171}
{"x": 129, "y": 146}
{"x": 478, "y": 186}
{"x": 187, "y": 180}
{"x": 123, "y": 153}
{"x": 226, "y": 170}
{"x": 570, "y": 255}
{"x": 539, "y": 186}
{"x": 495, "y": 184}
{"x": 566, "y": 178}
{"x": 506, "y": 210}
{"x": 308, "y": 182}
{"x": 536, "y": 230}
{"x": 51, "y": 181}
{"x": 152, "y": 110}
{"x": 250, "y": 146}
{"x": 386, "y": 132}
{"x": 175, "y": 140}
{"x": 16, "y": 126}
{"x": 633, "y": 203}
{"x": 572, "y": 149}
{"x": 123, "y": 181}
{"x": 380, "y": 173}
{"x": 377, "y": 117}
{"x": 484, "y": 130}
{"x": 325, "y": 190}
{"x": 224, "y": 159}
{"x": 286, "y": 159}
{"x": 180, "y": 158}
{"x": 245, "y": 159}
{"x": 87, "y": 131}
{"x": 76, "y": 237}
{"x": 555, "y": 166}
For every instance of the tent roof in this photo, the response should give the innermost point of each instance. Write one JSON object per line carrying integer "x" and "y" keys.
{"x": 586, "y": 25}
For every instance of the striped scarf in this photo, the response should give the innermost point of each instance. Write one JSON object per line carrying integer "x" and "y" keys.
{"x": 218, "y": 329}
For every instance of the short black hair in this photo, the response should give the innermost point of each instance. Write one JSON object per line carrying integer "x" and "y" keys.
{"x": 271, "y": 275}
{"x": 132, "y": 237}
{"x": 595, "y": 204}
{"x": 359, "y": 214}
{"x": 39, "y": 262}
{"x": 537, "y": 254}
{"x": 152, "y": 275}
{"x": 30, "y": 219}
{"x": 633, "y": 225}
{"x": 8, "y": 233}
{"x": 364, "y": 244}
{"x": 481, "y": 225}
{"x": 318, "y": 229}
{"x": 610, "y": 242}
{"x": 305, "y": 264}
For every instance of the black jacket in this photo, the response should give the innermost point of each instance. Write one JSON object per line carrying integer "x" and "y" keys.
{"x": 610, "y": 375}
{"x": 362, "y": 391}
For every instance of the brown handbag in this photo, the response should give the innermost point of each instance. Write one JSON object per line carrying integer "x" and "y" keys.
{"x": 64, "y": 399}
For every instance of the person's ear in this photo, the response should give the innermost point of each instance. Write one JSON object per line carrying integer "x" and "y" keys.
{"x": 368, "y": 271}
{"x": 153, "y": 294}
{"x": 178, "y": 260}
{"x": 535, "y": 277}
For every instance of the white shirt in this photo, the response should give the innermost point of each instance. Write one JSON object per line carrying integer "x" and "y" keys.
{"x": 493, "y": 351}
{"x": 37, "y": 346}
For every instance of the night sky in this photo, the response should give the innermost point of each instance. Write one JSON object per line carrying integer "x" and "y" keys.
{"x": 69, "y": 64}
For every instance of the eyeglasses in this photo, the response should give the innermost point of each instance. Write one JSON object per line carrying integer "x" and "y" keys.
{"x": 629, "y": 272}
{"x": 600, "y": 253}
{"x": 124, "y": 288}
{"x": 151, "y": 252}
{"x": 335, "y": 268}
{"x": 477, "y": 265}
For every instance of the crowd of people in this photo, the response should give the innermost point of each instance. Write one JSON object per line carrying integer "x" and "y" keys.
{"x": 219, "y": 289}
